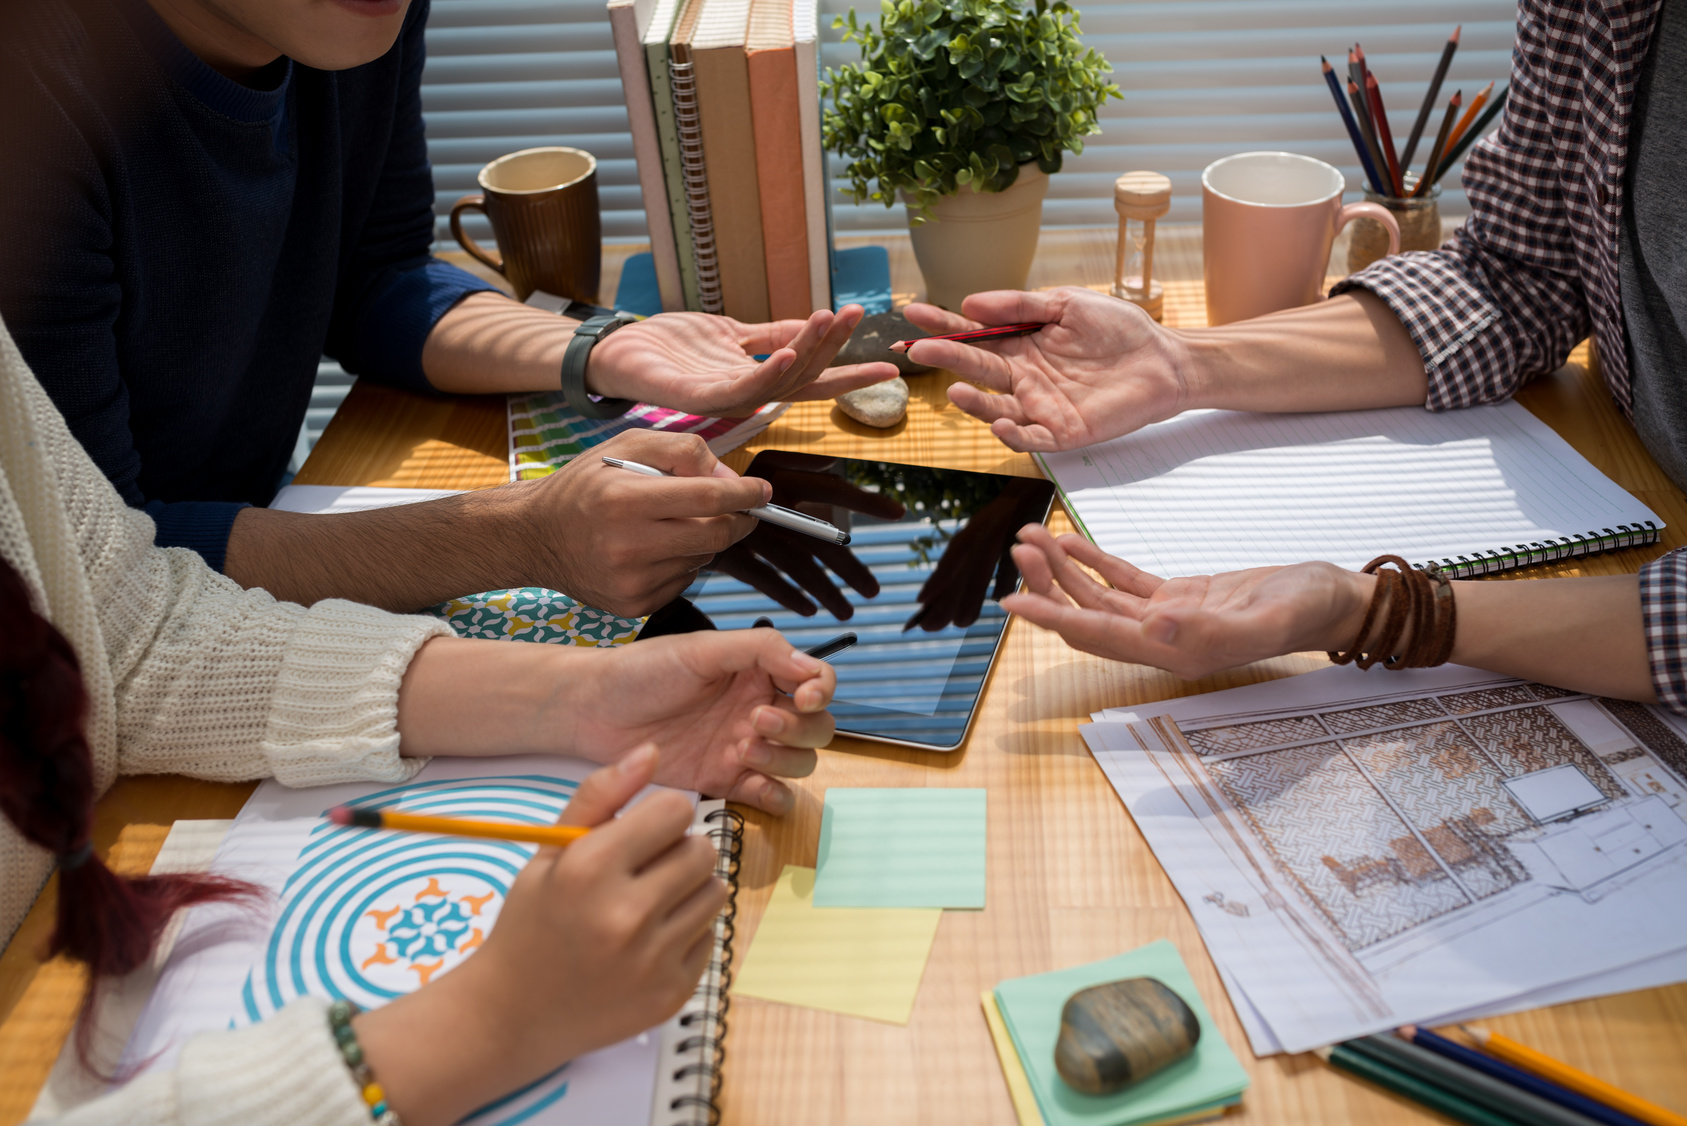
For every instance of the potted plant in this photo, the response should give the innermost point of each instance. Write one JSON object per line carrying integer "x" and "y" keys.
{"x": 964, "y": 108}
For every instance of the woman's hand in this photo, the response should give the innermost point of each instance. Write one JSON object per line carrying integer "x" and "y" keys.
{"x": 1101, "y": 368}
{"x": 595, "y": 943}
{"x": 706, "y": 364}
{"x": 1191, "y": 626}
{"x": 732, "y": 711}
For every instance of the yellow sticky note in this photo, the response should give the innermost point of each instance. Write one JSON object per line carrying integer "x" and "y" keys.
{"x": 1019, "y": 1086}
{"x": 859, "y": 961}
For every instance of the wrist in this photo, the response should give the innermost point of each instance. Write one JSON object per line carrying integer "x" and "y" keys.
{"x": 1351, "y": 598}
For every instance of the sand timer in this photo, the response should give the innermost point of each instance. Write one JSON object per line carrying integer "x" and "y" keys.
{"x": 1140, "y": 198}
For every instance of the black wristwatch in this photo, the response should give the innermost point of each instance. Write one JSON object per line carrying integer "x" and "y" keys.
{"x": 574, "y": 368}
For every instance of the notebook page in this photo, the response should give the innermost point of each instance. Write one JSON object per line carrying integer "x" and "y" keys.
{"x": 1213, "y": 491}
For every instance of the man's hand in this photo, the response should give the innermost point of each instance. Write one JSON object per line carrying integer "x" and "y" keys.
{"x": 627, "y": 543}
{"x": 1101, "y": 368}
{"x": 705, "y": 364}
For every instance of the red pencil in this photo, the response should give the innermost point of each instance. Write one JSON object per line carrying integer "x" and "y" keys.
{"x": 994, "y": 332}
{"x": 1385, "y": 138}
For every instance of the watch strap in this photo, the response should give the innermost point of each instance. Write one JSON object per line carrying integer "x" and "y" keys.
{"x": 574, "y": 360}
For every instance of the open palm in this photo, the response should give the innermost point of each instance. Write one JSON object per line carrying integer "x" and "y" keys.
{"x": 1099, "y": 368}
{"x": 1187, "y": 626}
{"x": 706, "y": 364}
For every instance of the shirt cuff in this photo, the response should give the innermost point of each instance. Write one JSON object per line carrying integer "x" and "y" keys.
{"x": 1663, "y": 611}
{"x": 396, "y": 324}
{"x": 203, "y": 526}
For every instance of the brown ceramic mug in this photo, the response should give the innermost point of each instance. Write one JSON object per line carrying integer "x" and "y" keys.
{"x": 543, "y": 207}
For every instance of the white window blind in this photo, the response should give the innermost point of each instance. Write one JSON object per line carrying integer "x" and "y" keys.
{"x": 1201, "y": 79}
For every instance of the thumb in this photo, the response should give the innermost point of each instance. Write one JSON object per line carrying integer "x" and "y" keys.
{"x": 605, "y": 791}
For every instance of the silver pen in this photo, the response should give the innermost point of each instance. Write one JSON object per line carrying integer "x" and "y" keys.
{"x": 772, "y": 513}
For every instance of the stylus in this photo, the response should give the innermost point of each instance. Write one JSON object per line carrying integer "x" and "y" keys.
{"x": 772, "y": 513}
{"x": 833, "y": 647}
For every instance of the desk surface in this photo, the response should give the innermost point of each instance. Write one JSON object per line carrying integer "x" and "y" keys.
{"x": 1070, "y": 877}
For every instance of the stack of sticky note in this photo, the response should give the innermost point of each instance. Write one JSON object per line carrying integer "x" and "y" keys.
{"x": 1024, "y": 1018}
{"x": 852, "y": 934}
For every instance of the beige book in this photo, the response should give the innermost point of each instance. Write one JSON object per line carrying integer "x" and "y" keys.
{"x": 729, "y": 155}
{"x": 774, "y": 111}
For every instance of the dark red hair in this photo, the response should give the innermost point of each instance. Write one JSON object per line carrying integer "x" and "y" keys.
{"x": 107, "y": 921}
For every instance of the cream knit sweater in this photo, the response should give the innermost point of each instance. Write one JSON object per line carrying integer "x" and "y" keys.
{"x": 187, "y": 673}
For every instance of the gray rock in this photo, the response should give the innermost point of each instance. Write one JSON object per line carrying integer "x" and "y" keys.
{"x": 873, "y": 337}
{"x": 881, "y": 405}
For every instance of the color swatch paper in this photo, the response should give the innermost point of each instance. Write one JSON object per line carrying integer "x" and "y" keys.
{"x": 859, "y": 963}
{"x": 1206, "y": 1079}
{"x": 909, "y": 847}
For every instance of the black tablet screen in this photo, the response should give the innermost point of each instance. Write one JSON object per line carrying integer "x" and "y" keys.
{"x": 917, "y": 585}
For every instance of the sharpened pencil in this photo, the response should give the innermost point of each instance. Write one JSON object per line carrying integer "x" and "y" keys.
{"x": 1575, "y": 1079}
{"x": 1458, "y": 132}
{"x": 1455, "y": 153}
{"x": 1480, "y": 1088}
{"x": 554, "y": 835}
{"x": 1359, "y": 111}
{"x": 1440, "y": 145}
{"x": 1429, "y": 98}
{"x": 1410, "y": 1086}
{"x": 993, "y": 332}
{"x": 1358, "y": 138}
{"x": 1516, "y": 1076}
{"x": 1385, "y": 138}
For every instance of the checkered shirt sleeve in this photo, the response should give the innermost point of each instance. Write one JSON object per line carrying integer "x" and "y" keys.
{"x": 1663, "y": 610}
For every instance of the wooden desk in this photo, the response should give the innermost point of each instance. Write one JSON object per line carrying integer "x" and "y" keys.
{"x": 1071, "y": 879}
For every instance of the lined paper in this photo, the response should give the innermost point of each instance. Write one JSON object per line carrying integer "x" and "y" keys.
{"x": 1213, "y": 491}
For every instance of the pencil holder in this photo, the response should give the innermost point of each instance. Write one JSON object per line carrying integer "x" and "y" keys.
{"x": 1420, "y": 226}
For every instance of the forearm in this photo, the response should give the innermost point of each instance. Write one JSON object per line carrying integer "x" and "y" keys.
{"x": 490, "y": 343}
{"x": 474, "y": 697}
{"x": 400, "y": 559}
{"x": 1347, "y": 353}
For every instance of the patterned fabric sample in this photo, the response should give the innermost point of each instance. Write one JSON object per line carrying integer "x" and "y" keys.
{"x": 1384, "y": 715}
{"x": 532, "y": 613}
{"x": 1252, "y": 736}
{"x": 1464, "y": 703}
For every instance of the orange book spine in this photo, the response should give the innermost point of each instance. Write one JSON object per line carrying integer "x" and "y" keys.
{"x": 774, "y": 106}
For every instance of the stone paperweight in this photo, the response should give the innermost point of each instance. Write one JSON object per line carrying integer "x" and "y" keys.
{"x": 881, "y": 405}
{"x": 872, "y": 339}
{"x": 1116, "y": 1034}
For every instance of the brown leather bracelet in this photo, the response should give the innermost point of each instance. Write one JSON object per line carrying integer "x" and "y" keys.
{"x": 1404, "y": 597}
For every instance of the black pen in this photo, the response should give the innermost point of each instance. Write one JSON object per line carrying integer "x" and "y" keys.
{"x": 833, "y": 647}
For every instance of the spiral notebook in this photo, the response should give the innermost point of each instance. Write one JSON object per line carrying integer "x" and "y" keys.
{"x": 1472, "y": 491}
{"x": 370, "y": 915}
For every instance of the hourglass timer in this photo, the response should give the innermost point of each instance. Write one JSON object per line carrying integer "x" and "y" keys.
{"x": 1140, "y": 198}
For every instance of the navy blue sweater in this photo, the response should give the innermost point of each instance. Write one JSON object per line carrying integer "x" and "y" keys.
{"x": 177, "y": 250}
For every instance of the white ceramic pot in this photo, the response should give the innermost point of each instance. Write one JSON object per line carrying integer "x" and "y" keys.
{"x": 977, "y": 241}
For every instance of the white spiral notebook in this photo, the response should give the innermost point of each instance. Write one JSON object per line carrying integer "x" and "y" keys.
{"x": 1474, "y": 491}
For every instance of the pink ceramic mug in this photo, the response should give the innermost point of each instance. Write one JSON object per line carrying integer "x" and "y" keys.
{"x": 1268, "y": 221}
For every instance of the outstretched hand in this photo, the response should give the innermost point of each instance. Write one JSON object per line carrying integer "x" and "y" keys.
{"x": 706, "y": 364}
{"x": 1098, "y": 369}
{"x": 1189, "y": 626}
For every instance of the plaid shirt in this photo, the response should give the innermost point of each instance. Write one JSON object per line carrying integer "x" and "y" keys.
{"x": 1535, "y": 266}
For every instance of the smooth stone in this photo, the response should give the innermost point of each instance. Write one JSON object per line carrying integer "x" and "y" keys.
{"x": 1120, "y": 1033}
{"x": 881, "y": 405}
{"x": 873, "y": 337}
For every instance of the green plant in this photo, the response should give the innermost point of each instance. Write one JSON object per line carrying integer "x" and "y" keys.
{"x": 956, "y": 92}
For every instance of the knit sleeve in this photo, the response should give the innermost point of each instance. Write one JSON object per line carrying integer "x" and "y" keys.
{"x": 1503, "y": 301}
{"x": 285, "y": 1071}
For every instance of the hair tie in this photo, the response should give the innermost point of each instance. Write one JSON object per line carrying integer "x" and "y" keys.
{"x": 70, "y": 861}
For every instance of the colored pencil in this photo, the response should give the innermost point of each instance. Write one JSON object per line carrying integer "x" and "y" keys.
{"x": 1516, "y": 1076}
{"x": 1440, "y": 145}
{"x": 1576, "y": 1080}
{"x": 1352, "y": 127}
{"x": 1411, "y": 1087}
{"x": 1458, "y": 132}
{"x": 1495, "y": 1094}
{"x": 555, "y": 835}
{"x": 1385, "y": 138}
{"x": 1455, "y": 153}
{"x": 1429, "y": 98}
{"x": 994, "y": 332}
{"x": 1359, "y": 110}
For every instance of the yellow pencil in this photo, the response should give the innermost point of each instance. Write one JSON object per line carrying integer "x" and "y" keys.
{"x": 1545, "y": 1066}
{"x": 555, "y": 835}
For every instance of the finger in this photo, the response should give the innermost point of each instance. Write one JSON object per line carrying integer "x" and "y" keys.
{"x": 1026, "y": 439}
{"x": 692, "y": 918}
{"x": 1091, "y": 631}
{"x": 1013, "y": 306}
{"x": 676, "y": 497}
{"x": 684, "y": 455}
{"x": 760, "y": 756}
{"x": 983, "y": 405}
{"x": 832, "y": 382}
{"x": 1034, "y": 566}
{"x": 969, "y": 361}
{"x": 797, "y": 335}
{"x": 809, "y": 681}
{"x": 766, "y": 794}
{"x": 1077, "y": 583}
{"x": 935, "y": 319}
{"x": 814, "y": 362}
{"x": 645, "y": 831}
{"x": 605, "y": 791}
{"x": 782, "y": 723}
{"x": 672, "y": 876}
{"x": 1124, "y": 576}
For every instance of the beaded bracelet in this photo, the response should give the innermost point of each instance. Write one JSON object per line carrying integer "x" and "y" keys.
{"x": 345, "y": 1036}
{"x": 1405, "y": 596}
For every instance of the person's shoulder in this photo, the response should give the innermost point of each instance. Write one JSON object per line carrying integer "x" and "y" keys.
{"x": 53, "y": 36}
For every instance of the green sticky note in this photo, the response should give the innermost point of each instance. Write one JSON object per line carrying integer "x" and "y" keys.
{"x": 914, "y": 847}
{"x": 1031, "y": 1009}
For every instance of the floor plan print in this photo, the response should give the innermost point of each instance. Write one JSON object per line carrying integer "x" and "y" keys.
{"x": 1442, "y": 836}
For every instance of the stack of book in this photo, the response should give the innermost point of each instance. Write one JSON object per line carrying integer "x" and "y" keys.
{"x": 723, "y": 102}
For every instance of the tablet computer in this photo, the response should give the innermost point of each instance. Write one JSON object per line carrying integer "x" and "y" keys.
{"x": 906, "y": 611}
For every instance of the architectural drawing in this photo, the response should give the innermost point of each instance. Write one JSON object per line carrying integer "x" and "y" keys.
{"x": 1371, "y": 834}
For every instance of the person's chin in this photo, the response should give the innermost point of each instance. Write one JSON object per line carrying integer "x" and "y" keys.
{"x": 374, "y": 9}
{"x": 365, "y": 32}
